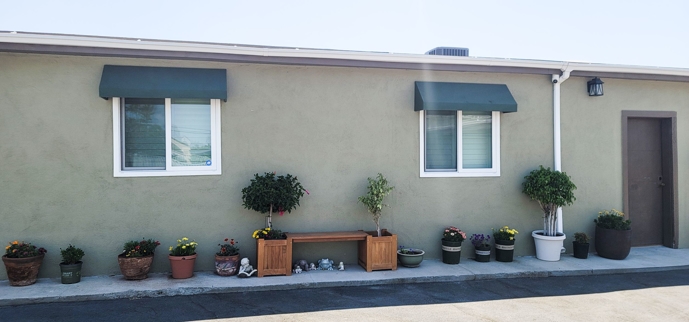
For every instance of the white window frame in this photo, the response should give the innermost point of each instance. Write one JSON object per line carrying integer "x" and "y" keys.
{"x": 216, "y": 164}
{"x": 494, "y": 171}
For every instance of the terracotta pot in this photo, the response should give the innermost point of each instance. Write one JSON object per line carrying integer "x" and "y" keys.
{"x": 227, "y": 265}
{"x": 22, "y": 271}
{"x": 182, "y": 266}
{"x": 135, "y": 268}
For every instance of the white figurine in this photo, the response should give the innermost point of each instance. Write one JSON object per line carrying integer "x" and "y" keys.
{"x": 312, "y": 267}
{"x": 297, "y": 269}
{"x": 340, "y": 267}
{"x": 245, "y": 270}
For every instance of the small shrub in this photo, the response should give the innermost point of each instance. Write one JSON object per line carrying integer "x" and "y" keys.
{"x": 581, "y": 238}
{"x": 71, "y": 255}
{"x": 612, "y": 219}
{"x": 140, "y": 248}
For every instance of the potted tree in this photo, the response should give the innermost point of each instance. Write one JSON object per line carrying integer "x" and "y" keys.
{"x": 70, "y": 267}
{"x": 552, "y": 189}
{"x": 267, "y": 194}
{"x": 22, "y": 262}
{"x": 613, "y": 234}
{"x": 378, "y": 251}
{"x": 182, "y": 258}
{"x": 581, "y": 245}
{"x": 136, "y": 258}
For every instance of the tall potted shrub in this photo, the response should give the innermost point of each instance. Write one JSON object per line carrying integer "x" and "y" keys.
{"x": 552, "y": 189}
{"x": 380, "y": 248}
{"x": 267, "y": 194}
{"x": 613, "y": 234}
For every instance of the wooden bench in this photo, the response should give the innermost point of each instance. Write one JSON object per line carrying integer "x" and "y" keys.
{"x": 276, "y": 258}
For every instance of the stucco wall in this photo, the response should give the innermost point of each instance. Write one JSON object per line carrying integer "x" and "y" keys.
{"x": 331, "y": 127}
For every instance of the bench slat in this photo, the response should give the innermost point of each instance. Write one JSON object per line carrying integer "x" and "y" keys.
{"x": 334, "y": 236}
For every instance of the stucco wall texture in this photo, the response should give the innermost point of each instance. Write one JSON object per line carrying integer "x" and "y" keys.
{"x": 331, "y": 127}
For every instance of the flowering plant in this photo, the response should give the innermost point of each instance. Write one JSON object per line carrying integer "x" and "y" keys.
{"x": 17, "y": 249}
{"x": 480, "y": 240}
{"x": 229, "y": 248}
{"x": 612, "y": 219}
{"x": 454, "y": 234}
{"x": 268, "y": 233}
{"x": 505, "y": 233}
{"x": 409, "y": 251}
{"x": 140, "y": 248}
{"x": 184, "y": 247}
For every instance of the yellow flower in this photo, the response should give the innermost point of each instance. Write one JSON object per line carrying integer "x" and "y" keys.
{"x": 184, "y": 247}
{"x": 268, "y": 229}
{"x": 15, "y": 242}
{"x": 179, "y": 241}
{"x": 170, "y": 248}
{"x": 8, "y": 247}
{"x": 185, "y": 238}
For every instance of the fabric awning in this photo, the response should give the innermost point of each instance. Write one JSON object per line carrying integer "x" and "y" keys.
{"x": 162, "y": 82}
{"x": 439, "y": 96}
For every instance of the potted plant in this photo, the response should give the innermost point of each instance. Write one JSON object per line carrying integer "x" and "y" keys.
{"x": 613, "y": 234}
{"x": 70, "y": 267}
{"x": 581, "y": 245}
{"x": 410, "y": 257}
{"x": 482, "y": 247}
{"x": 504, "y": 244}
{"x": 378, "y": 251}
{"x": 271, "y": 252}
{"x": 136, "y": 258}
{"x": 452, "y": 244}
{"x": 227, "y": 259}
{"x": 552, "y": 189}
{"x": 22, "y": 262}
{"x": 269, "y": 193}
{"x": 182, "y": 258}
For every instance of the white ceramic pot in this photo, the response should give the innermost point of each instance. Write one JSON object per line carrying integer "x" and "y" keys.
{"x": 548, "y": 248}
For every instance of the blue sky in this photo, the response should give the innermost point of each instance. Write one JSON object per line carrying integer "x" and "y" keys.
{"x": 615, "y": 32}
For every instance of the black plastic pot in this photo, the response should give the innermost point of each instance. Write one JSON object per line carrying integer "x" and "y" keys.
{"x": 581, "y": 250}
{"x": 504, "y": 250}
{"x": 452, "y": 252}
{"x": 71, "y": 273}
{"x": 482, "y": 253}
{"x": 613, "y": 244}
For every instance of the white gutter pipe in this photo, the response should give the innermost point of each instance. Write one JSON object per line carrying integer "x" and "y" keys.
{"x": 557, "y": 149}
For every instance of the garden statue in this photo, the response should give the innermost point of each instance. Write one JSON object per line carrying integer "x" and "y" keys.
{"x": 297, "y": 269}
{"x": 325, "y": 264}
{"x": 312, "y": 267}
{"x": 245, "y": 269}
{"x": 303, "y": 264}
{"x": 340, "y": 267}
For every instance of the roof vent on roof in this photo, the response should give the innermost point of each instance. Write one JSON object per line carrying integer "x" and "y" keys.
{"x": 449, "y": 51}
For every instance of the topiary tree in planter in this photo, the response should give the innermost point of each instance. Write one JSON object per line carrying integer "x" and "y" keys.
{"x": 552, "y": 189}
{"x": 270, "y": 193}
{"x": 378, "y": 188}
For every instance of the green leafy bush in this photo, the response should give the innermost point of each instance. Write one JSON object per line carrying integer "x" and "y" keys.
{"x": 612, "y": 219}
{"x": 270, "y": 193}
{"x": 71, "y": 255}
{"x": 581, "y": 238}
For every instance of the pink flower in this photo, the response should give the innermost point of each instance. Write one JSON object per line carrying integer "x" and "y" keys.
{"x": 307, "y": 192}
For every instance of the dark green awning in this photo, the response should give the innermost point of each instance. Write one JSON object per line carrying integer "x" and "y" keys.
{"x": 162, "y": 82}
{"x": 438, "y": 96}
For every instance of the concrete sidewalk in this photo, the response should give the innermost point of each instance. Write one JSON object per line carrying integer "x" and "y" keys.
{"x": 641, "y": 259}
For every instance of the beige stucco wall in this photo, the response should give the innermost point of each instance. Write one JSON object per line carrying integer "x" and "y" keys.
{"x": 331, "y": 127}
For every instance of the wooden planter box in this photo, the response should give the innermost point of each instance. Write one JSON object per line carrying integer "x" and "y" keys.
{"x": 274, "y": 257}
{"x": 378, "y": 253}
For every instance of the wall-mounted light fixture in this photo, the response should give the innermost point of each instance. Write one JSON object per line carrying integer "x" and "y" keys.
{"x": 595, "y": 87}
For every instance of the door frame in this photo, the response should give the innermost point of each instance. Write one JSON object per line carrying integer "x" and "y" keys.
{"x": 668, "y": 124}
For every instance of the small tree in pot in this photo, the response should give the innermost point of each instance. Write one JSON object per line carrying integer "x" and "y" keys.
{"x": 552, "y": 189}
{"x": 378, "y": 188}
{"x": 270, "y": 193}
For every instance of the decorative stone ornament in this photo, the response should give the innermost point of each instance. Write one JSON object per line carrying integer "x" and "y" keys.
{"x": 245, "y": 269}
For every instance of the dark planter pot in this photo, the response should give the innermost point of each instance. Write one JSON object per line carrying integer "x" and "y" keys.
{"x": 581, "y": 250}
{"x": 410, "y": 260}
{"x": 452, "y": 252}
{"x": 70, "y": 273}
{"x": 613, "y": 244}
{"x": 504, "y": 250}
{"x": 482, "y": 254}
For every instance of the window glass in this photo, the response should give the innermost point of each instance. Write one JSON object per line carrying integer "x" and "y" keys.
{"x": 441, "y": 140}
{"x": 191, "y": 132}
{"x": 476, "y": 140}
{"x": 144, "y": 133}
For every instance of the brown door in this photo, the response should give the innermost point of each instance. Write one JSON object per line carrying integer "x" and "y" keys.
{"x": 646, "y": 184}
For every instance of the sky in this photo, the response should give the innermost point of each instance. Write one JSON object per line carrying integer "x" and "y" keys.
{"x": 644, "y": 33}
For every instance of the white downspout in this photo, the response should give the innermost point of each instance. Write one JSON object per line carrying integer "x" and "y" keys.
{"x": 557, "y": 150}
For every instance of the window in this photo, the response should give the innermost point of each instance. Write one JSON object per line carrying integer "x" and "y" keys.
{"x": 460, "y": 143}
{"x": 166, "y": 137}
